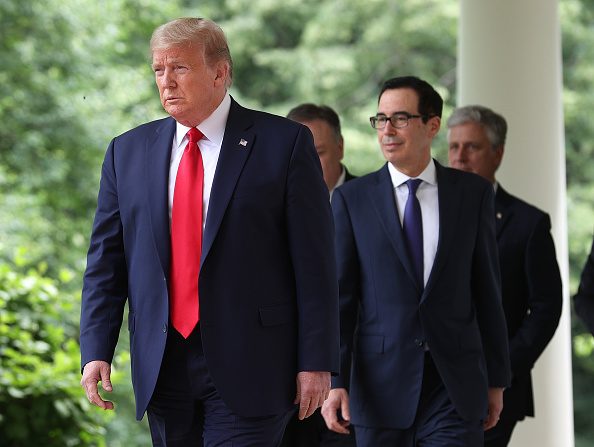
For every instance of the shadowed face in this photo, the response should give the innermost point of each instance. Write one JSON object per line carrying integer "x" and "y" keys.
{"x": 470, "y": 150}
{"x": 330, "y": 150}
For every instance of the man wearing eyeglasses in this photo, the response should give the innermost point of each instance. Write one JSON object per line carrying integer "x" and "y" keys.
{"x": 424, "y": 354}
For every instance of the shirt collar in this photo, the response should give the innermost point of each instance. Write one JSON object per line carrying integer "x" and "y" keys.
{"x": 339, "y": 182}
{"x": 428, "y": 175}
{"x": 341, "y": 178}
{"x": 213, "y": 127}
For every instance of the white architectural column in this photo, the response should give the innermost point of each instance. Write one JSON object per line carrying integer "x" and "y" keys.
{"x": 509, "y": 59}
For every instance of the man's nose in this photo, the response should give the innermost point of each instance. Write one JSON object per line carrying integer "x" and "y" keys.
{"x": 460, "y": 153}
{"x": 389, "y": 128}
{"x": 167, "y": 79}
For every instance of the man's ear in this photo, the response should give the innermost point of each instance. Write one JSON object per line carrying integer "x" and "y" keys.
{"x": 434, "y": 124}
{"x": 499, "y": 154}
{"x": 221, "y": 71}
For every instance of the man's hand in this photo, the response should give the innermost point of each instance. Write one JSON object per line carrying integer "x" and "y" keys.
{"x": 312, "y": 390}
{"x": 338, "y": 399}
{"x": 495, "y": 407}
{"x": 93, "y": 373}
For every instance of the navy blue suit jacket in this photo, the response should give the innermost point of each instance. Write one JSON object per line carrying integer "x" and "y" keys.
{"x": 385, "y": 319}
{"x": 531, "y": 291}
{"x": 268, "y": 288}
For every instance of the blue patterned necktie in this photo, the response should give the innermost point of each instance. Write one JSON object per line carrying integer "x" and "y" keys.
{"x": 413, "y": 229}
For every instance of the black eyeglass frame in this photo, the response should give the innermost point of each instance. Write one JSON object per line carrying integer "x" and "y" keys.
{"x": 374, "y": 119}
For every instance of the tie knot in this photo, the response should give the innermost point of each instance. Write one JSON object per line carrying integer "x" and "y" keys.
{"x": 194, "y": 135}
{"x": 413, "y": 184}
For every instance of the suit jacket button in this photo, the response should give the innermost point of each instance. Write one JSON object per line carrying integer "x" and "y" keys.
{"x": 420, "y": 343}
{"x": 165, "y": 328}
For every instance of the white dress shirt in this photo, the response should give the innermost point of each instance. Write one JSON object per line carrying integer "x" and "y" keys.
{"x": 340, "y": 181}
{"x": 213, "y": 129}
{"x": 428, "y": 199}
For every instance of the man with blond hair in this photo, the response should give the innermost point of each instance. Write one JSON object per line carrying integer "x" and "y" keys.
{"x": 214, "y": 225}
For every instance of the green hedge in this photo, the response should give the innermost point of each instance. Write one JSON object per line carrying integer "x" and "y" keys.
{"x": 41, "y": 401}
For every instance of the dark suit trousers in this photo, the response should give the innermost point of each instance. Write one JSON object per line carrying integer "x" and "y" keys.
{"x": 500, "y": 435}
{"x": 437, "y": 424}
{"x": 312, "y": 432}
{"x": 186, "y": 409}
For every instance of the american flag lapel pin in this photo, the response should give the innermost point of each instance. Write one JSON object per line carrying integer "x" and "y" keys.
{"x": 243, "y": 142}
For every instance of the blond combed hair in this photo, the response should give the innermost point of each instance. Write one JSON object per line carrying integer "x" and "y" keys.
{"x": 199, "y": 31}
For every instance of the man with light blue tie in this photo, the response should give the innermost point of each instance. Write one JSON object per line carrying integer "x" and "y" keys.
{"x": 424, "y": 354}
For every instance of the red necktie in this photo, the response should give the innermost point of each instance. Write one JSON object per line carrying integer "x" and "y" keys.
{"x": 186, "y": 237}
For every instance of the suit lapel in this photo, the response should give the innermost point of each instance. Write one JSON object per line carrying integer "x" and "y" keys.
{"x": 450, "y": 198}
{"x": 503, "y": 210}
{"x": 158, "y": 156}
{"x": 381, "y": 196}
{"x": 235, "y": 149}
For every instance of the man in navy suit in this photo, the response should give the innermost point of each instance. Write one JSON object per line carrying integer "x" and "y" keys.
{"x": 424, "y": 356}
{"x": 223, "y": 357}
{"x": 324, "y": 124}
{"x": 530, "y": 279}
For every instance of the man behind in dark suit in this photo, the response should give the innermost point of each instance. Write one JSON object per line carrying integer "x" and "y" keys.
{"x": 324, "y": 124}
{"x": 424, "y": 356}
{"x": 530, "y": 278}
{"x": 257, "y": 333}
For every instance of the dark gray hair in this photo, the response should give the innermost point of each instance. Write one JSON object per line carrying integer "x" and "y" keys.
{"x": 311, "y": 112}
{"x": 494, "y": 124}
{"x": 430, "y": 102}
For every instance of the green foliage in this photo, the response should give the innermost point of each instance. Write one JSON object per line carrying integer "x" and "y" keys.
{"x": 41, "y": 136}
{"x": 583, "y": 371}
{"x": 577, "y": 20}
{"x": 74, "y": 73}
{"x": 40, "y": 396}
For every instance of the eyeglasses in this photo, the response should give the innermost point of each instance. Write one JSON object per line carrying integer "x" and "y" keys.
{"x": 398, "y": 120}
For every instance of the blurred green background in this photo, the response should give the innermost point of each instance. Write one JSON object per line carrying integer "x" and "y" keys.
{"x": 75, "y": 73}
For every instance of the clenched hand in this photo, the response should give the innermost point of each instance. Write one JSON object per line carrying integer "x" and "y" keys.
{"x": 93, "y": 373}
